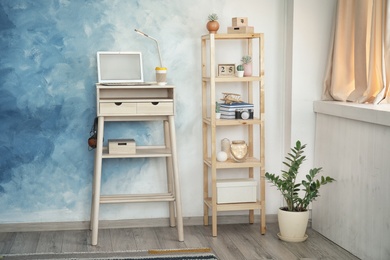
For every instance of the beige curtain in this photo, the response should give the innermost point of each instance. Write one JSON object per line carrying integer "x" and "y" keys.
{"x": 359, "y": 63}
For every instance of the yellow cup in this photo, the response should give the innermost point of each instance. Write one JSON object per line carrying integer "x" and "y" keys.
{"x": 161, "y": 76}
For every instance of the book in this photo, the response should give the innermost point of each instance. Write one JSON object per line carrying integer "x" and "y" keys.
{"x": 232, "y": 108}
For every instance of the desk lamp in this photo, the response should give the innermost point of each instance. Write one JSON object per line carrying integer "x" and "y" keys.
{"x": 158, "y": 47}
{"x": 161, "y": 72}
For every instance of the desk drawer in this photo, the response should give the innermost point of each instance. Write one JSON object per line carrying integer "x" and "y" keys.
{"x": 120, "y": 108}
{"x": 155, "y": 108}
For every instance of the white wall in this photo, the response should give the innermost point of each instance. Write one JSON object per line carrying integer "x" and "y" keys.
{"x": 312, "y": 24}
{"x": 296, "y": 44}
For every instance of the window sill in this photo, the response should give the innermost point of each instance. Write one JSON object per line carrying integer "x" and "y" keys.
{"x": 374, "y": 114}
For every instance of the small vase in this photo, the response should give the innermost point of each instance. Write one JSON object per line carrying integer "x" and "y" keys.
{"x": 239, "y": 150}
{"x": 225, "y": 146}
{"x": 212, "y": 26}
{"x": 247, "y": 69}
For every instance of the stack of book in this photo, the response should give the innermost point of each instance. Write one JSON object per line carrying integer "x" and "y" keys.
{"x": 228, "y": 111}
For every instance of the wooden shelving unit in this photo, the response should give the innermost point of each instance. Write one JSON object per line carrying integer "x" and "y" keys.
{"x": 211, "y": 124}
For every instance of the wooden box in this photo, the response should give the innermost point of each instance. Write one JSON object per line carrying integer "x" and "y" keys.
{"x": 239, "y": 21}
{"x": 241, "y": 29}
{"x": 121, "y": 146}
{"x": 236, "y": 190}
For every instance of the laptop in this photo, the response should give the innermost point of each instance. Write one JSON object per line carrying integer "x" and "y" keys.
{"x": 120, "y": 68}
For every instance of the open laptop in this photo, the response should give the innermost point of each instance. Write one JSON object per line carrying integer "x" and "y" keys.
{"x": 120, "y": 68}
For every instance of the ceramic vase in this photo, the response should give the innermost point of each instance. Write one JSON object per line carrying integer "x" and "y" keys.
{"x": 247, "y": 69}
{"x": 212, "y": 26}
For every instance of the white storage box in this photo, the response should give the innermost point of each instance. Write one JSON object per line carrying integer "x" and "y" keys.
{"x": 121, "y": 146}
{"x": 236, "y": 190}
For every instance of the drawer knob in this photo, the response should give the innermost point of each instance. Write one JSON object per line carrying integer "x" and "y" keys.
{"x": 155, "y": 103}
{"x": 118, "y": 103}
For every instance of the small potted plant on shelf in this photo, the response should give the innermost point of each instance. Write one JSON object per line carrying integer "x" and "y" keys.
{"x": 217, "y": 110}
{"x": 212, "y": 24}
{"x": 240, "y": 71}
{"x": 294, "y": 217}
{"x": 247, "y": 63}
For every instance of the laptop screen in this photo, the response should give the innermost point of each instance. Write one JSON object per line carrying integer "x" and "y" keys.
{"x": 117, "y": 67}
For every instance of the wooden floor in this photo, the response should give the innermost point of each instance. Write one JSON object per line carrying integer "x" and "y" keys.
{"x": 234, "y": 241}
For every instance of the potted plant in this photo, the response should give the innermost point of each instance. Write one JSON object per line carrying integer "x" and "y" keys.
{"x": 294, "y": 217}
{"x": 217, "y": 110}
{"x": 240, "y": 70}
{"x": 247, "y": 63}
{"x": 212, "y": 24}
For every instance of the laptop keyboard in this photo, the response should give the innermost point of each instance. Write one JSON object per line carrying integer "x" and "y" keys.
{"x": 127, "y": 84}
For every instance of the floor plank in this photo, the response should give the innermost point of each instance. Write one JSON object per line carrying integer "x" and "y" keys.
{"x": 234, "y": 241}
{"x": 75, "y": 241}
{"x": 50, "y": 242}
{"x": 6, "y": 241}
{"x": 25, "y": 242}
{"x": 146, "y": 238}
{"x": 123, "y": 239}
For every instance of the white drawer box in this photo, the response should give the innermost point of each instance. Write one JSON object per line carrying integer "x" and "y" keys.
{"x": 121, "y": 146}
{"x": 155, "y": 108}
{"x": 236, "y": 190}
{"x": 121, "y": 108}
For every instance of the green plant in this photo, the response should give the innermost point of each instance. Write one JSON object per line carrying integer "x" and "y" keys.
{"x": 213, "y": 17}
{"x": 287, "y": 183}
{"x": 246, "y": 59}
{"x": 240, "y": 67}
{"x": 217, "y": 107}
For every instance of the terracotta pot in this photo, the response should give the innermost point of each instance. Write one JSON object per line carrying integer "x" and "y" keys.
{"x": 212, "y": 26}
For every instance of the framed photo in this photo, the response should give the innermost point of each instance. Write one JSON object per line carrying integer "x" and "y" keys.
{"x": 226, "y": 70}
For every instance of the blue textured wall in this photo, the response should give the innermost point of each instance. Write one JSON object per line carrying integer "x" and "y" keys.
{"x": 47, "y": 97}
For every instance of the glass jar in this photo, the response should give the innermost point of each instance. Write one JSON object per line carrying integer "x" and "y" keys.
{"x": 239, "y": 150}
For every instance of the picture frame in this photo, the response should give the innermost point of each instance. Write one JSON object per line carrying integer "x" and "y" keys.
{"x": 226, "y": 70}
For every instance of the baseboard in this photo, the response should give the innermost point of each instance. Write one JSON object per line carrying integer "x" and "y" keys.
{"x": 128, "y": 223}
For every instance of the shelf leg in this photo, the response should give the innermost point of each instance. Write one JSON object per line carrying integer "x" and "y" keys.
{"x": 97, "y": 182}
{"x": 176, "y": 180}
{"x": 251, "y": 216}
{"x": 214, "y": 221}
{"x": 262, "y": 220}
{"x": 205, "y": 195}
{"x": 169, "y": 166}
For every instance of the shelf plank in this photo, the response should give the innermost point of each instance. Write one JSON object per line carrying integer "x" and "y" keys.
{"x": 250, "y": 162}
{"x": 234, "y": 206}
{"x": 234, "y": 122}
{"x": 134, "y": 100}
{"x": 127, "y": 198}
{"x": 230, "y": 36}
{"x": 155, "y": 86}
{"x": 235, "y": 79}
{"x": 141, "y": 152}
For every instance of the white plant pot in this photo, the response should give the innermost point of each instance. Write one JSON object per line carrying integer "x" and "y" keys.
{"x": 293, "y": 225}
{"x": 239, "y": 73}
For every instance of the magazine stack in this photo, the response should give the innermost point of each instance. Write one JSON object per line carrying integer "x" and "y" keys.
{"x": 236, "y": 110}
